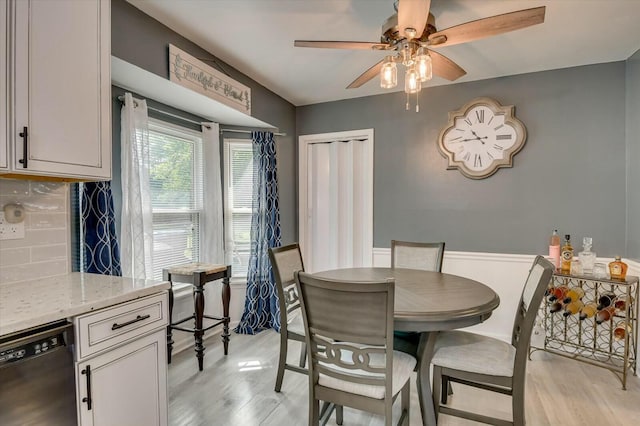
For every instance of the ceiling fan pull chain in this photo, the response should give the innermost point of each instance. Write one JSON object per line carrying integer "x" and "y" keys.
{"x": 417, "y": 101}
{"x": 407, "y": 107}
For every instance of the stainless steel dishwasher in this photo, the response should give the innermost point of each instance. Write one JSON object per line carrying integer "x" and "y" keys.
{"x": 37, "y": 384}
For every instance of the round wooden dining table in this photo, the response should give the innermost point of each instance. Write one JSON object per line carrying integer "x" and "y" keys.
{"x": 428, "y": 302}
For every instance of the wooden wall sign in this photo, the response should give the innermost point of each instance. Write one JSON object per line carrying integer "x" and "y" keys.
{"x": 194, "y": 74}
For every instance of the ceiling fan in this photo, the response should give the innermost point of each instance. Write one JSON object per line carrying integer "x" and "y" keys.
{"x": 411, "y": 32}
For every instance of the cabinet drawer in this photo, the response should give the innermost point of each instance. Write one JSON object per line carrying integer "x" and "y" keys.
{"x": 112, "y": 326}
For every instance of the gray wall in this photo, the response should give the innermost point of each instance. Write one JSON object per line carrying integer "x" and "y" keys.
{"x": 570, "y": 175}
{"x": 633, "y": 156}
{"x": 141, "y": 40}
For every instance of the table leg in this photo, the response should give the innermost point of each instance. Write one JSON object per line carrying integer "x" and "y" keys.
{"x": 425, "y": 354}
{"x": 166, "y": 277}
{"x": 199, "y": 314}
{"x": 226, "y": 296}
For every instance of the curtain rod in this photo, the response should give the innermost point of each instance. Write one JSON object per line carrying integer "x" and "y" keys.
{"x": 188, "y": 120}
{"x": 249, "y": 131}
{"x": 185, "y": 119}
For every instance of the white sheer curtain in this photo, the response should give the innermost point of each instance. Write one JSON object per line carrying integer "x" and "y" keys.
{"x": 212, "y": 245}
{"x": 137, "y": 221}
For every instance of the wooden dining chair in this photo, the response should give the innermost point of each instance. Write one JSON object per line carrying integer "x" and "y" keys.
{"x": 488, "y": 363}
{"x": 413, "y": 255}
{"x": 349, "y": 331}
{"x": 285, "y": 261}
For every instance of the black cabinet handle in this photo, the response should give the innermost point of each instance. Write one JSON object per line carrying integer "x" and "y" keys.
{"x": 87, "y": 399}
{"x": 139, "y": 318}
{"x": 25, "y": 142}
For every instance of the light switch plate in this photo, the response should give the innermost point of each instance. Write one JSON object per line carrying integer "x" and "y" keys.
{"x": 10, "y": 231}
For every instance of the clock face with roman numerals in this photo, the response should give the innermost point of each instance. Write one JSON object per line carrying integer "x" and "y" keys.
{"x": 481, "y": 137}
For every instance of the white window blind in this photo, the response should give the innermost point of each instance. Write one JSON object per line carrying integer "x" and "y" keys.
{"x": 239, "y": 193}
{"x": 176, "y": 180}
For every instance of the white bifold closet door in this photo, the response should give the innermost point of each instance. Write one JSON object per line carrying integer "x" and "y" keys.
{"x": 336, "y": 211}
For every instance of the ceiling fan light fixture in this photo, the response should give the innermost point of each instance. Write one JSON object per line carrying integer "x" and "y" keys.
{"x": 388, "y": 74}
{"x": 412, "y": 81}
{"x": 424, "y": 64}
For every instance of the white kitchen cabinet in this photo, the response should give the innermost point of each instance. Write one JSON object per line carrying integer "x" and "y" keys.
{"x": 4, "y": 100}
{"x": 60, "y": 86}
{"x": 126, "y": 386}
{"x": 121, "y": 367}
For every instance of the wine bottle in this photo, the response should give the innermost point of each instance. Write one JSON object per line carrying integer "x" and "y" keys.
{"x": 554, "y": 248}
{"x": 573, "y": 308}
{"x": 588, "y": 311}
{"x": 605, "y": 314}
{"x": 621, "y": 330}
{"x": 566, "y": 254}
{"x": 621, "y": 303}
{"x": 555, "y": 307}
{"x": 559, "y": 293}
{"x": 576, "y": 293}
{"x": 606, "y": 300}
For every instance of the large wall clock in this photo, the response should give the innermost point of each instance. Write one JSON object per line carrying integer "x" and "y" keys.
{"x": 481, "y": 137}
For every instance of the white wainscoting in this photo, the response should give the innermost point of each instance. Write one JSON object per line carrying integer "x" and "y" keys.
{"x": 504, "y": 273}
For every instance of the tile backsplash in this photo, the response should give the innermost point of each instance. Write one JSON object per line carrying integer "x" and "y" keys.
{"x": 45, "y": 250}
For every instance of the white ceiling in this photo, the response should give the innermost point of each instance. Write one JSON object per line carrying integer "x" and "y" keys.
{"x": 256, "y": 37}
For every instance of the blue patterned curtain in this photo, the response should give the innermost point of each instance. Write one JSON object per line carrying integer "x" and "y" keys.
{"x": 101, "y": 252}
{"x": 261, "y": 309}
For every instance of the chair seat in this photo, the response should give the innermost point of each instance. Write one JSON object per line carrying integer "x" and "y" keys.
{"x": 474, "y": 353}
{"x": 295, "y": 323}
{"x": 403, "y": 365}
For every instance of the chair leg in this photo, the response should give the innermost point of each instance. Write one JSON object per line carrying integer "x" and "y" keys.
{"x": 339, "y": 414}
{"x": 406, "y": 402}
{"x": 517, "y": 403}
{"x": 445, "y": 385}
{"x": 282, "y": 360}
{"x": 303, "y": 355}
{"x": 314, "y": 412}
{"x": 437, "y": 383}
{"x": 388, "y": 409}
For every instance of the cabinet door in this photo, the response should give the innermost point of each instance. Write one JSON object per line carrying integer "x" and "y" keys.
{"x": 62, "y": 88}
{"x": 4, "y": 80}
{"x": 128, "y": 385}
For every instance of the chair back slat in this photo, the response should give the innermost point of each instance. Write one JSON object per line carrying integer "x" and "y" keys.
{"x": 349, "y": 327}
{"x": 412, "y": 255}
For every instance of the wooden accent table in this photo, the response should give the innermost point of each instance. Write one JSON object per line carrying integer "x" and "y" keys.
{"x": 198, "y": 274}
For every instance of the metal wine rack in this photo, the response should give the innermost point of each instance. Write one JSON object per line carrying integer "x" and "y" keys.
{"x": 586, "y": 340}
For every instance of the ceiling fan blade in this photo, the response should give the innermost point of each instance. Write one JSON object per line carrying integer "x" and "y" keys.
{"x": 340, "y": 44}
{"x": 412, "y": 14}
{"x": 487, "y": 27}
{"x": 366, "y": 76}
{"x": 445, "y": 67}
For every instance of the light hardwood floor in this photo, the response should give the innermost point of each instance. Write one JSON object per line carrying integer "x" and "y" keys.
{"x": 237, "y": 390}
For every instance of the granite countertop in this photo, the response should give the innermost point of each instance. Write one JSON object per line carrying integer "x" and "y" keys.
{"x": 31, "y": 303}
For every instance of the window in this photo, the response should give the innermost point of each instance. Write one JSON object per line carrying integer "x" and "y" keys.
{"x": 238, "y": 166}
{"x": 176, "y": 180}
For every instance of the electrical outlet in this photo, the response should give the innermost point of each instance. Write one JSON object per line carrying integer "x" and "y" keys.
{"x": 10, "y": 231}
